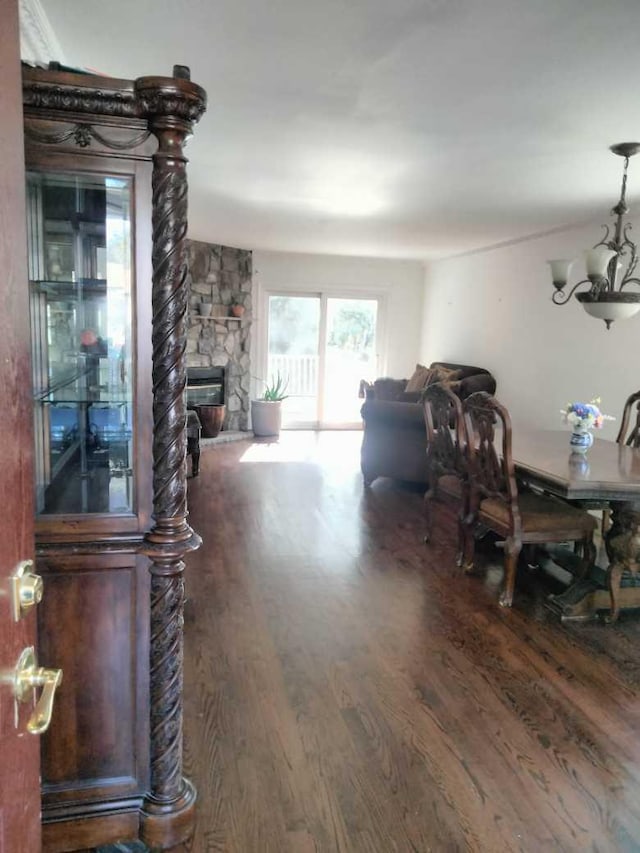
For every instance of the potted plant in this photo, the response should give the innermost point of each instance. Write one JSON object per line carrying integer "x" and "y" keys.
{"x": 266, "y": 413}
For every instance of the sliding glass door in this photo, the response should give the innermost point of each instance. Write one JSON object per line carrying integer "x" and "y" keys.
{"x": 293, "y": 354}
{"x": 349, "y": 356}
{"x": 322, "y": 346}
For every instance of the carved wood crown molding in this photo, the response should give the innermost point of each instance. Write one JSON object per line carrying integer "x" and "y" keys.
{"x": 48, "y": 95}
{"x": 145, "y": 98}
{"x": 83, "y": 135}
{"x": 171, "y": 96}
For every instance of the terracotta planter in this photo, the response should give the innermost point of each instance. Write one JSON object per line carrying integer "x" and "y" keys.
{"x": 266, "y": 416}
{"x": 237, "y": 310}
{"x": 211, "y": 418}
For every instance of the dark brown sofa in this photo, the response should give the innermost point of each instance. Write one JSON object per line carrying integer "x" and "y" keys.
{"x": 394, "y": 440}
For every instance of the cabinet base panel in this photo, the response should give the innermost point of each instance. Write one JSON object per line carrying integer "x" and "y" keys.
{"x": 82, "y": 833}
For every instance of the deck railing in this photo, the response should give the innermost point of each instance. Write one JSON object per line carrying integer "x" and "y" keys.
{"x": 300, "y": 371}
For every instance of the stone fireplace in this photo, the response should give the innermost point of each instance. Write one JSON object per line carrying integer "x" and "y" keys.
{"x": 221, "y": 285}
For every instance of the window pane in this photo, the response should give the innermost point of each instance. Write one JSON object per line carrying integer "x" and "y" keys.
{"x": 294, "y": 331}
{"x": 350, "y": 356}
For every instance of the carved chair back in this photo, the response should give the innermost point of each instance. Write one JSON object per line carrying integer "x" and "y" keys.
{"x": 446, "y": 436}
{"x": 491, "y": 468}
{"x": 633, "y": 438}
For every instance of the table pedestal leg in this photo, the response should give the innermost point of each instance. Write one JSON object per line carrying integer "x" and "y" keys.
{"x": 585, "y": 596}
{"x": 622, "y": 542}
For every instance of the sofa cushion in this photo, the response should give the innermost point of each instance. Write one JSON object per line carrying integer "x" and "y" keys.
{"x": 411, "y": 396}
{"x": 392, "y": 413}
{"x": 477, "y": 382}
{"x": 386, "y": 388}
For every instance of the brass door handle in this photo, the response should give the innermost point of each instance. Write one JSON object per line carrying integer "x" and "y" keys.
{"x": 26, "y": 676}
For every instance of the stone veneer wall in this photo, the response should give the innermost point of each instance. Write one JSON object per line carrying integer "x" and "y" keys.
{"x": 222, "y": 276}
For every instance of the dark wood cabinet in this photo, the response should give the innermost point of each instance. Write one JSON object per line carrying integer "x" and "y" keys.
{"x": 106, "y": 223}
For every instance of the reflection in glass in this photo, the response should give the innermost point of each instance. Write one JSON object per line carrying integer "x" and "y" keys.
{"x": 79, "y": 231}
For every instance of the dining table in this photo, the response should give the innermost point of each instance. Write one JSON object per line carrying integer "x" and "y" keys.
{"x": 606, "y": 476}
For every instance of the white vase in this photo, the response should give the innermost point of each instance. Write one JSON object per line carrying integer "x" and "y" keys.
{"x": 266, "y": 416}
{"x": 581, "y": 440}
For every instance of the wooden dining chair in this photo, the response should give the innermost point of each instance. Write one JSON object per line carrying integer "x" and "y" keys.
{"x": 632, "y": 437}
{"x": 523, "y": 517}
{"x": 446, "y": 456}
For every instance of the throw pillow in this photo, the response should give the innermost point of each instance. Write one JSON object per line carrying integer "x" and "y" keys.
{"x": 443, "y": 374}
{"x": 419, "y": 379}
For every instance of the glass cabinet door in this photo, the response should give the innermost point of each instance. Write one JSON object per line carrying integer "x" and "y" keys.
{"x": 80, "y": 270}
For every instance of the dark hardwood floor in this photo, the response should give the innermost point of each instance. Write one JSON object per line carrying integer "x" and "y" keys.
{"x": 349, "y": 689}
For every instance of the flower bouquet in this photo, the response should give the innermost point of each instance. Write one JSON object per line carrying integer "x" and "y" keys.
{"x": 583, "y": 417}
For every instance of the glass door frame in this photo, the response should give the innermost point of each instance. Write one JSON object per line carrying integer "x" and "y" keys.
{"x": 323, "y": 294}
{"x": 139, "y": 172}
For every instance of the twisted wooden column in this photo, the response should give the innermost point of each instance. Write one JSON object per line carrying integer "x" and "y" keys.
{"x": 172, "y": 105}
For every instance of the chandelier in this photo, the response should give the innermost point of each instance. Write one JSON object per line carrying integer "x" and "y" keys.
{"x": 610, "y": 264}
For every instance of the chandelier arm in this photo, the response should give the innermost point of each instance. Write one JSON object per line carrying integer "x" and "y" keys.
{"x": 630, "y": 281}
{"x": 606, "y": 240}
{"x": 628, "y": 243}
{"x": 561, "y": 297}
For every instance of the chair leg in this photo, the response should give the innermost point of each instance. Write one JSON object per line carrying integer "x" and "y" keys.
{"x": 614, "y": 576}
{"x": 428, "y": 513}
{"x": 531, "y": 551}
{"x": 193, "y": 450}
{"x": 511, "y": 554}
{"x": 588, "y": 557}
{"x": 461, "y": 546}
{"x": 468, "y": 546}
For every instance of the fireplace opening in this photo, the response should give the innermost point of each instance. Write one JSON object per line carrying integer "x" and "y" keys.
{"x": 206, "y": 396}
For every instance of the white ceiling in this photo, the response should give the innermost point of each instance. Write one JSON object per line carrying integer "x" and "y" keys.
{"x": 391, "y": 128}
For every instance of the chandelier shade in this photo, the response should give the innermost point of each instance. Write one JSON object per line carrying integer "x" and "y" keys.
{"x": 596, "y": 261}
{"x": 610, "y": 264}
{"x": 560, "y": 270}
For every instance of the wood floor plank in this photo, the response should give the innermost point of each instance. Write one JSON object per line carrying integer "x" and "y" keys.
{"x": 347, "y": 688}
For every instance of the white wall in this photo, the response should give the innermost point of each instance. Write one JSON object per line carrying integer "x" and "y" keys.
{"x": 494, "y": 309}
{"x": 398, "y": 283}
